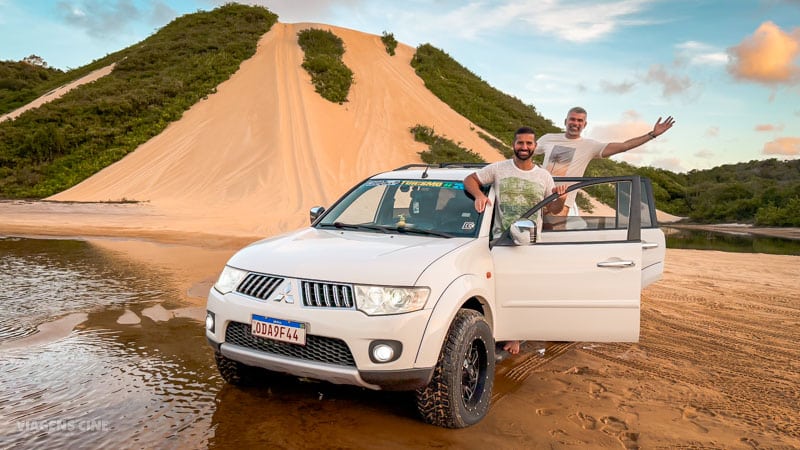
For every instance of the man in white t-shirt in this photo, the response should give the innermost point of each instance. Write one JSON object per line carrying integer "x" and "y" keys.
{"x": 568, "y": 154}
{"x": 519, "y": 184}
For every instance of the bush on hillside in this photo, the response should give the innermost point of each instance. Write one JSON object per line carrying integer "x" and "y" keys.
{"x": 441, "y": 149}
{"x": 389, "y": 42}
{"x": 323, "y": 61}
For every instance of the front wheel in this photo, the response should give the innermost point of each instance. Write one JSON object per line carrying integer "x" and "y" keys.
{"x": 234, "y": 372}
{"x": 460, "y": 390}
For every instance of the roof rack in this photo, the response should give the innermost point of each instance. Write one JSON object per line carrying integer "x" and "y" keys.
{"x": 455, "y": 165}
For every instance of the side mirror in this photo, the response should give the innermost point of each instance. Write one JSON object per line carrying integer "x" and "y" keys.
{"x": 315, "y": 212}
{"x": 523, "y": 232}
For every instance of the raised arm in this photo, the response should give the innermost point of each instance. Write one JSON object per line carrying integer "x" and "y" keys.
{"x": 658, "y": 129}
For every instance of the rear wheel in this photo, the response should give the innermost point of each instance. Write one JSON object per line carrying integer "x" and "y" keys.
{"x": 459, "y": 393}
{"x": 235, "y": 372}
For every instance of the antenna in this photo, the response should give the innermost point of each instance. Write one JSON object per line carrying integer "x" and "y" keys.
{"x": 425, "y": 173}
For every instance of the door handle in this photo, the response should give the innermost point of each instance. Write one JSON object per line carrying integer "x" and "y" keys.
{"x": 617, "y": 264}
{"x": 647, "y": 245}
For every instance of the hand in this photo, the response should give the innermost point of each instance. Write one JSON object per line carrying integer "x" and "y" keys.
{"x": 660, "y": 128}
{"x": 560, "y": 189}
{"x": 481, "y": 203}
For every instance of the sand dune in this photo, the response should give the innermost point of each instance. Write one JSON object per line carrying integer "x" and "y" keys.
{"x": 59, "y": 92}
{"x": 255, "y": 156}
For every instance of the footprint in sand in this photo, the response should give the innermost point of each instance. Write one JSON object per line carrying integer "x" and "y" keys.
{"x": 586, "y": 421}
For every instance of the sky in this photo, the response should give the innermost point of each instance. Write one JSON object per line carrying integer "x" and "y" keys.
{"x": 728, "y": 71}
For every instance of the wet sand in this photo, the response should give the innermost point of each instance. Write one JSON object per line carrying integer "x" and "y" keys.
{"x": 716, "y": 367}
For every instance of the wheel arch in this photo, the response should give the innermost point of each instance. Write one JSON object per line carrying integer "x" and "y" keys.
{"x": 465, "y": 292}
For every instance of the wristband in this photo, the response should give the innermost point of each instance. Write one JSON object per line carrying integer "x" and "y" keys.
{"x": 651, "y": 134}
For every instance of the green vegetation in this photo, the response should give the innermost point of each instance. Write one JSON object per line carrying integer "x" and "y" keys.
{"x": 21, "y": 82}
{"x": 441, "y": 149}
{"x": 389, "y": 42}
{"x": 765, "y": 193}
{"x": 504, "y": 149}
{"x": 498, "y": 113}
{"x": 59, "y": 144}
{"x": 323, "y": 61}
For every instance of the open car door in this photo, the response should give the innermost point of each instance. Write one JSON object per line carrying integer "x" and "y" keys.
{"x": 584, "y": 285}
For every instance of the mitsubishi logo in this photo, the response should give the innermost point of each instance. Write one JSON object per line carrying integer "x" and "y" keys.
{"x": 285, "y": 295}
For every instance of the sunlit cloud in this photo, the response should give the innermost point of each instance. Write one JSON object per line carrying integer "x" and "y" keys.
{"x": 768, "y": 56}
{"x": 769, "y": 127}
{"x": 631, "y": 124}
{"x": 712, "y": 131}
{"x": 788, "y": 146}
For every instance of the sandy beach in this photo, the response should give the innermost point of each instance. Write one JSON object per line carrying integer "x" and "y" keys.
{"x": 717, "y": 365}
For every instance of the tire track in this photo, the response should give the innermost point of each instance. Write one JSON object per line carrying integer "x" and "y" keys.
{"x": 518, "y": 372}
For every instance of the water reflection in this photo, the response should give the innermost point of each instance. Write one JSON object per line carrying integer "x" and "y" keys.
{"x": 729, "y": 242}
{"x": 105, "y": 384}
{"x": 44, "y": 279}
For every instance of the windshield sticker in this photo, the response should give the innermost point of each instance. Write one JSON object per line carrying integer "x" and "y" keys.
{"x": 468, "y": 226}
{"x": 459, "y": 185}
{"x": 381, "y": 182}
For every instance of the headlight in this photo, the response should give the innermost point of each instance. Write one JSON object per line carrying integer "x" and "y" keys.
{"x": 379, "y": 300}
{"x": 229, "y": 279}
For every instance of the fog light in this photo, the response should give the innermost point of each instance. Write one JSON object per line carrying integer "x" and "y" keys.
{"x": 210, "y": 321}
{"x": 383, "y": 353}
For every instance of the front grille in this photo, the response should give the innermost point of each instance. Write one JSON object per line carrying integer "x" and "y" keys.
{"x": 258, "y": 285}
{"x": 327, "y": 295}
{"x": 317, "y": 348}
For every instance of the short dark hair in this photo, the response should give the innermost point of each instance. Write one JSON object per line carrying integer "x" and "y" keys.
{"x": 523, "y": 130}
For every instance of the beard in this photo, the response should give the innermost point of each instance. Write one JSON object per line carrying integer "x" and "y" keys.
{"x": 520, "y": 157}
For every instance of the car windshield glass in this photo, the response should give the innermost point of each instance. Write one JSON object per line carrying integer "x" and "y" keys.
{"x": 426, "y": 207}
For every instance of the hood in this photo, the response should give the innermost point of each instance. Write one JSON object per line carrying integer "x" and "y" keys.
{"x": 345, "y": 256}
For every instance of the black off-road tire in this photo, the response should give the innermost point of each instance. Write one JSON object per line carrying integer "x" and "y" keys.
{"x": 459, "y": 393}
{"x": 234, "y": 372}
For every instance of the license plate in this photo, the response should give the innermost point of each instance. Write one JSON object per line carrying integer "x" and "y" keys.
{"x": 278, "y": 329}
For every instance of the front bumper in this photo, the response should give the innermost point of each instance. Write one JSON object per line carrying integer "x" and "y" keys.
{"x": 337, "y": 348}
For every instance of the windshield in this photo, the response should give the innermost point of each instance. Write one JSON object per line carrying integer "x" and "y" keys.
{"x": 435, "y": 207}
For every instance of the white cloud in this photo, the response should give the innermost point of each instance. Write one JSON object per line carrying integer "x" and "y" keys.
{"x": 698, "y": 53}
{"x": 572, "y": 21}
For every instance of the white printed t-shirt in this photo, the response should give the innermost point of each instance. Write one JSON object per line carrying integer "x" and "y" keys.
{"x": 568, "y": 157}
{"x": 517, "y": 190}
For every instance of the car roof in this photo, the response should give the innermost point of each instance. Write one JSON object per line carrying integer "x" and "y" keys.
{"x": 446, "y": 171}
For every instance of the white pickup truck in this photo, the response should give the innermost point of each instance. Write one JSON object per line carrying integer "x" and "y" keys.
{"x": 402, "y": 285}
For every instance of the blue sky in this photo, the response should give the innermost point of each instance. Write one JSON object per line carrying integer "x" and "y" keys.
{"x": 727, "y": 70}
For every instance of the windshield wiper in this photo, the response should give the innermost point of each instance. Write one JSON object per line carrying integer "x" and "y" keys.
{"x": 423, "y": 231}
{"x": 356, "y": 226}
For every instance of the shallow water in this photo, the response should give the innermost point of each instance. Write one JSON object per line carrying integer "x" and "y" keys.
{"x": 102, "y": 346}
{"x": 103, "y": 384}
{"x": 729, "y": 242}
